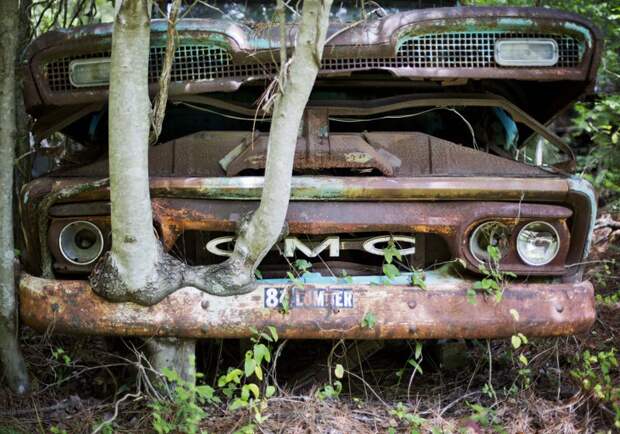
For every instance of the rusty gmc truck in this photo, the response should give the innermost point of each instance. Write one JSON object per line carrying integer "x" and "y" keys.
{"x": 426, "y": 137}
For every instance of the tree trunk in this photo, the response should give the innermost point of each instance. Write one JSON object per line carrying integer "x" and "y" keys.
{"x": 136, "y": 269}
{"x": 10, "y": 354}
{"x": 267, "y": 224}
{"x": 178, "y": 355}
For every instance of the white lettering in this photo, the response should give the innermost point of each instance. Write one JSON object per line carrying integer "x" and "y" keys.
{"x": 292, "y": 243}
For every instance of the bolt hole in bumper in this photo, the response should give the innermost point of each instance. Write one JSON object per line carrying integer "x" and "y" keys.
{"x": 324, "y": 310}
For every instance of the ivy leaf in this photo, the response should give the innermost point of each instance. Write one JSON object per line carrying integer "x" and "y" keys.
{"x": 516, "y": 341}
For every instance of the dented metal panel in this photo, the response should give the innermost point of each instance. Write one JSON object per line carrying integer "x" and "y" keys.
{"x": 402, "y": 312}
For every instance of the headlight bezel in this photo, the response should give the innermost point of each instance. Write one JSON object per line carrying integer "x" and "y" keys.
{"x": 523, "y": 257}
{"x": 100, "y": 241}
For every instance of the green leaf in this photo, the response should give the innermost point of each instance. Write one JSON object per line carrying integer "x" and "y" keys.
{"x": 369, "y": 320}
{"x": 259, "y": 372}
{"x": 416, "y": 365}
{"x": 515, "y": 314}
{"x": 261, "y": 352}
{"x": 237, "y": 404}
{"x": 471, "y": 296}
{"x": 418, "y": 350}
{"x": 249, "y": 366}
{"x": 274, "y": 333}
{"x": 254, "y": 389}
{"x": 391, "y": 252}
{"x": 523, "y": 360}
{"x": 418, "y": 279}
{"x": 303, "y": 265}
{"x": 339, "y": 371}
{"x": 390, "y": 271}
{"x": 270, "y": 391}
{"x": 516, "y": 341}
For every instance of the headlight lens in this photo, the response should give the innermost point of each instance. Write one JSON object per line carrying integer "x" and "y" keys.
{"x": 491, "y": 233}
{"x": 81, "y": 242}
{"x": 538, "y": 243}
{"x": 526, "y": 52}
{"x": 89, "y": 72}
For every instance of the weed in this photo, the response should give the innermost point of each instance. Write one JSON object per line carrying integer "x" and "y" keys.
{"x": 239, "y": 386}
{"x": 413, "y": 421}
{"x": 494, "y": 279}
{"x": 486, "y": 417}
{"x": 369, "y": 321}
{"x": 184, "y": 410}
{"x": 333, "y": 390}
{"x": 596, "y": 373}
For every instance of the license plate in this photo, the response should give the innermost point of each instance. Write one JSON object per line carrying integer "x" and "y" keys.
{"x": 326, "y": 298}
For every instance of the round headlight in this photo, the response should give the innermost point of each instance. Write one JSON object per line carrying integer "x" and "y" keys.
{"x": 81, "y": 242}
{"x": 491, "y": 233}
{"x": 538, "y": 243}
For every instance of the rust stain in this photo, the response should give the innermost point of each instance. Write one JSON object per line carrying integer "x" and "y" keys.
{"x": 441, "y": 311}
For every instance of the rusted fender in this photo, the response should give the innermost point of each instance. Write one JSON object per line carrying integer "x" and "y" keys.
{"x": 401, "y": 312}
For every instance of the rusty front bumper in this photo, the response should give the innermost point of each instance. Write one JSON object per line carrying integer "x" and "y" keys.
{"x": 401, "y": 312}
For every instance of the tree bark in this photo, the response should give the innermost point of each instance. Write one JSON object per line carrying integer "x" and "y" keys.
{"x": 175, "y": 354}
{"x": 10, "y": 354}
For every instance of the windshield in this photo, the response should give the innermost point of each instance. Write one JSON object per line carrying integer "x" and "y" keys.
{"x": 343, "y": 11}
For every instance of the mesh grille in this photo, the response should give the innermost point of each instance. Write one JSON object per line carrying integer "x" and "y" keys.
{"x": 441, "y": 50}
{"x": 472, "y": 50}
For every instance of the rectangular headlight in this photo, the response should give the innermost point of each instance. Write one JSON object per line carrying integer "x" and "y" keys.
{"x": 526, "y": 52}
{"x": 90, "y": 72}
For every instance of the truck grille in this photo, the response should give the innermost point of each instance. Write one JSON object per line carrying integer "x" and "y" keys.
{"x": 440, "y": 50}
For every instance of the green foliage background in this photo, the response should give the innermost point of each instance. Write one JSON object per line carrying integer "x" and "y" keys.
{"x": 596, "y": 121}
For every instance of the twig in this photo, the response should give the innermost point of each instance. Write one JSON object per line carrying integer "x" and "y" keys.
{"x": 115, "y": 415}
{"x": 159, "y": 107}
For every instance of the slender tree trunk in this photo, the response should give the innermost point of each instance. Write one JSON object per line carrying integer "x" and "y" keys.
{"x": 10, "y": 354}
{"x": 267, "y": 223}
{"x": 134, "y": 253}
{"x": 258, "y": 234}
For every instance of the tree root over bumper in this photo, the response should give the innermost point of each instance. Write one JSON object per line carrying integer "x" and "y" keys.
{"x": 400, "y": 312}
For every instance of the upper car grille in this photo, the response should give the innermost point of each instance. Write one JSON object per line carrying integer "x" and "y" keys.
{"x": 473, "y": 50}
{"x": 440, "y": 50}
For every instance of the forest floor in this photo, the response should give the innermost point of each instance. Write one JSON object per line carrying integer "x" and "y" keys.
{"x": 477, "y": 386}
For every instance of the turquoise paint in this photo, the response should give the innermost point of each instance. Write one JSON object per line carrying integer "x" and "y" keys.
{"x": 430, "y": 278}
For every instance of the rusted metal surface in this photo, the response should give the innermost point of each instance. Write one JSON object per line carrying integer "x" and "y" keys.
{"x": 368, "y": 46}
{"x": 453, "y": 221}
{"x": 403, "y": 154}
{"x": 373, "y": 192}
{"x": 441, "y": 311}
{"x": 341, "y": 189}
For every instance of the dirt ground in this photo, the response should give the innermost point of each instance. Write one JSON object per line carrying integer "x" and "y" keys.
{"x": 476, "y": 386}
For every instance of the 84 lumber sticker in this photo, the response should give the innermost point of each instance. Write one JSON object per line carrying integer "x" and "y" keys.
{"x": 330, "y": 298}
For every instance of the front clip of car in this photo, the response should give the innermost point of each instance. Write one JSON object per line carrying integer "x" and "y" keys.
{"x": 431, "y": 139}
